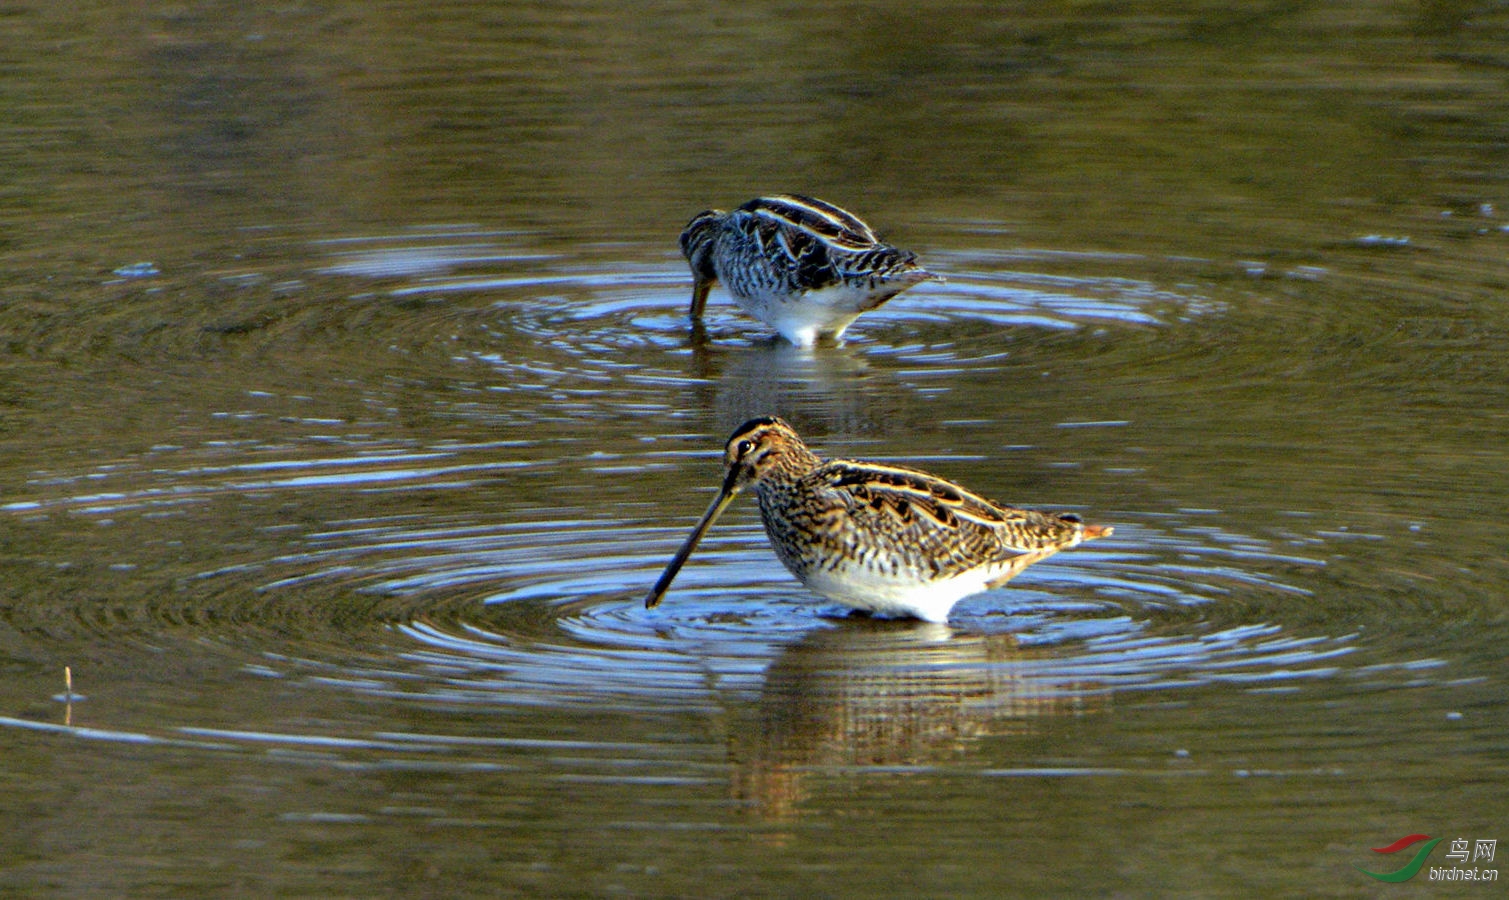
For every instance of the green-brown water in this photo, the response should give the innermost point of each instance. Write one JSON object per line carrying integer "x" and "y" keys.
{"x": 349, "y": 411}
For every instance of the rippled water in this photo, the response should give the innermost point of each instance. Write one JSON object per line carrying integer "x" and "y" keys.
{"x": 351, "y": 410}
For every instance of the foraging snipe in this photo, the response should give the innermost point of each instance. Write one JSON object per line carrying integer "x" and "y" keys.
{"x": 802, "y": 266}
{"x": 885, "y": 539}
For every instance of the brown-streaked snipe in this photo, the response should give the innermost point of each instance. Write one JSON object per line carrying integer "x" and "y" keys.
{"x": 802, "y": 266}
{"x": 884, "y": 539}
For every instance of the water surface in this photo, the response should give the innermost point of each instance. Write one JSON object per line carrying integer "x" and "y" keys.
{"x": 350, "y": 411}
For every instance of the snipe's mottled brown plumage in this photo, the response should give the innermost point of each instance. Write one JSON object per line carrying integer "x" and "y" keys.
{"x": 802, "y": 266}
{"x": 880, "y": 538}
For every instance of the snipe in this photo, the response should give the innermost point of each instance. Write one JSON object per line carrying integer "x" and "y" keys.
{"x": 884, "y": 539}
{"x": 802, "y": 266}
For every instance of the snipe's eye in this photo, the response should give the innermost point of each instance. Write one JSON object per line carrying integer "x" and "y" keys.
{"x": 742, "y": 448}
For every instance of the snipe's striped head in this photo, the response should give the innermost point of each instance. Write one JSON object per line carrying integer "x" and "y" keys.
{"x": 754, "y": 451}
{"x": 760, "y": 447}
{"x": 697, "y": 240}
{"x": 698, "y": 244}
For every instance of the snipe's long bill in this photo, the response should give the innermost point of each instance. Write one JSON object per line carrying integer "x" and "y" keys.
{"x": 884, "y": 539}
{"x": 802, "y": 266}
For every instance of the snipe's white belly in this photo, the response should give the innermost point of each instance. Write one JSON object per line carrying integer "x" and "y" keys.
{"x": 861, "y": 588}
{"x": 803, "y": 318}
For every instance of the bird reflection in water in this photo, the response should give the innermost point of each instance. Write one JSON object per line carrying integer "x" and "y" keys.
{"x": 874, "y": 694}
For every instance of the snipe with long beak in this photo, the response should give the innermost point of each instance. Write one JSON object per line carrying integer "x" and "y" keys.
{"x": 884, "y": 539}
{"x": 802, "y": 266}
